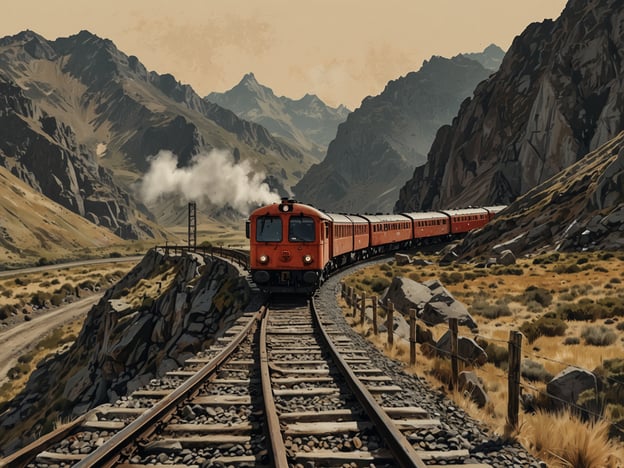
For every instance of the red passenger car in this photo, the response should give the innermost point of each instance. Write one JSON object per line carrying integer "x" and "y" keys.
{"x": 288, "y": 246}
{"x": 467, "y": 219}
{"x": 389, "y": 231}
{"x": 430, "y": 224}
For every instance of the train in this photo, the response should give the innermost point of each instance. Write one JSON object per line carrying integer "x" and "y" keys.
{"x": 294, "y": 247}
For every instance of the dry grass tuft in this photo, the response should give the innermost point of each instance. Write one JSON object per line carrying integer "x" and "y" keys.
{"x": 563, "y": 440}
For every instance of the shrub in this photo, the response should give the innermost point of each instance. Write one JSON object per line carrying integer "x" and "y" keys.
{"x": 620, "y": 326}
{"x": 378, "y": 285}
{"x": 55, "y": 281}
{"x": 551, "y": 258}
{"x": 537, "y": 294}
{"x": 572, "y": 340}
{"x": 598, "y": 335}
{"x": 115, "y": 255}
{"x": 40, "y": 298}
{"x": 483, "y": 308}
{"x": 453, "y": 278}
{"x": 7, "y": 293}
{"x": 508, "y": 270}
{"x": 548, "y": 325}
{"x": 534, "y": 371}
{"x": 569, "y": 268}
{"x": 56, "y": 299}
{"x": 497, "y": 355}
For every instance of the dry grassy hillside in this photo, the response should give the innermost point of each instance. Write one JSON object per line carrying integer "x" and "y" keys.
{"x": 570, "y": 308}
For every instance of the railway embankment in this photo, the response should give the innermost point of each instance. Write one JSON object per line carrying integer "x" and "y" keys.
{"x": 162, "y": 312}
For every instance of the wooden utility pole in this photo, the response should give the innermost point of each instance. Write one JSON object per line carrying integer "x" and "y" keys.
{"x": 454, "y": 349}
{"x": 513, "y": 384}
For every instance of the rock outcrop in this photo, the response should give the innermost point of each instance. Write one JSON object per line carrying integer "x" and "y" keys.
{"x": 162, "y": 312}
{"x": 580, "y": 208}
{"x": 556, "y": 97}
{"x": 382, "y": 141}
{"x": 44, "y": 152}
{"x": 308, "y": 122}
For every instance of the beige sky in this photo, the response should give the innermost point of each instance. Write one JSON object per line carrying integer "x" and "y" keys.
{"x": 341, "y": 50}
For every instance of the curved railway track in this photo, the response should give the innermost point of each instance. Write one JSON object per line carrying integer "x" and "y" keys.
{"x": 283, "y": 387}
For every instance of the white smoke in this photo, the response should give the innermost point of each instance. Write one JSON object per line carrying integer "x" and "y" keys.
{"x": 213, "y": 176}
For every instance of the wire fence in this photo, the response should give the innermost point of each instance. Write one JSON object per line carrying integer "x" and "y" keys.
{"x": 383, "y": 314}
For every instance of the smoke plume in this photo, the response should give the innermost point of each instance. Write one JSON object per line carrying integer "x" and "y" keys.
{"x": 213, "y": 176}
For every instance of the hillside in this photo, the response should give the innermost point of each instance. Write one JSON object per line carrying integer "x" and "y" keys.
{"x": 581, "y": 208}
{"x": 308, "y": 122}
{"x": 555, "y": 98}
{"x": 34, "y": 227}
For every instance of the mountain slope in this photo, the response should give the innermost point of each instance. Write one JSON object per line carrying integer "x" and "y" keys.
{"x": 34, "y": 227}
{"x": 556, "y": 96}
{"x": 120, "y": 114}
{"x": 308, "y": 122}
{"x": 582, "y": 207}
{"x": 377, "y": 148}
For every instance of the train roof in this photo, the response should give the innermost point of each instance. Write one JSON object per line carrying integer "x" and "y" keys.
{"x": 289, "y": 206}
{"x": 495, "y": 208}
{"x": 465, "y": 211}
{"x": 426, "y": 215}
{"x": 343, "y": 218}
{"x": 385, "y": 218}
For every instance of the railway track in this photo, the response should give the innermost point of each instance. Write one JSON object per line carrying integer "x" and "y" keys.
{"x": 284, "y": 387}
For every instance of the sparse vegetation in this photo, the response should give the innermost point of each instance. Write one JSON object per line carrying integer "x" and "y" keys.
{"x": 598, "y": 335}
{"x": 554, "y": 298}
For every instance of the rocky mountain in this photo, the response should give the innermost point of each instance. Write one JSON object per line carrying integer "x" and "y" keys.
{"x": 382, "y": 141}
{"x": 556, "y": 97}
{"x": 308, "y": 122}
{"x": 491, "y": 57}
{"x": 35, "y": 227}
{"x": 582, "y": 207}
{"x": 107, "y": 111}
{"x": 44, "y": 152}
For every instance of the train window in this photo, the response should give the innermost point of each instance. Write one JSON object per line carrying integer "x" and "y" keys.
{"x": 301, "y": 229}
{"x": 269, "y": 229}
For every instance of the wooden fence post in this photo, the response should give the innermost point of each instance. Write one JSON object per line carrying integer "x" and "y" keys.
{"x": 353, "y": 301}
{"x": 390, "y": 324}
{"x": 412, "y": 317}
{"x": 454, "y": 363}
{"x": 363, "y": 309}
{"x": 349, "y": 295}
{"x": 513, "y": 384}
{"x": 375, "y": 330}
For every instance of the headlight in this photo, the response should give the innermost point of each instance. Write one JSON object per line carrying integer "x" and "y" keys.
{"x": 307, "y": 259}
{"x": 264, "y": 259}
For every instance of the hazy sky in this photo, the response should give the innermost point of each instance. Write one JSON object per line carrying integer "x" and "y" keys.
{"x": 341, "y": 50}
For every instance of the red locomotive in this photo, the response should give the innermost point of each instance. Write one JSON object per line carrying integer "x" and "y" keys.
{"x": 293, "y": 247}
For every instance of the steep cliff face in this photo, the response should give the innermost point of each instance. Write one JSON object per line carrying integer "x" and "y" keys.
{"x": 581, "y": 207}
{"x": 556, "y": 96}
{"x": 308, "y": 122}
{"x": 44, "y": 153}
{"x": 161, "y": 313}
{"x": 376, "y": 149}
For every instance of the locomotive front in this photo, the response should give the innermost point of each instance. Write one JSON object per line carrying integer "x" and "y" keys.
{"x": 288, "y": 247}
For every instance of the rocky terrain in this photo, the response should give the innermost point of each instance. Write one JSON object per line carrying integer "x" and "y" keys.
{"x": 96, "y": 109}
{"x": 159, "y": 314}
{"x": 581, "y": 208}
{"x": 382, "y": 141}
{"x": 555, "y": 98}
{"x": 307, "y": 122}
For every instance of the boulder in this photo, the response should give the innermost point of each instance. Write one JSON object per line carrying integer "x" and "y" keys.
{"x": 470, "y": 384}
{"x": 407, "y": 294}
{"x": 566, "y": 386}
{"x": 507, "y": 257}
{"x": 467, "y": 349}
{"x": 402, "y": 259}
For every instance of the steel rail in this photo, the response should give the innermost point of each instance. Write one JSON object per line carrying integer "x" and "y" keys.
{"x": 400, "y": 447}
{"x": 278, "y": 450}
{"x": 107, "y": 454}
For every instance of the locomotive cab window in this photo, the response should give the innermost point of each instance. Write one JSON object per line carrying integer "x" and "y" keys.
{"x": 269, "y": 229}
{"x": 301, "y": 229}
